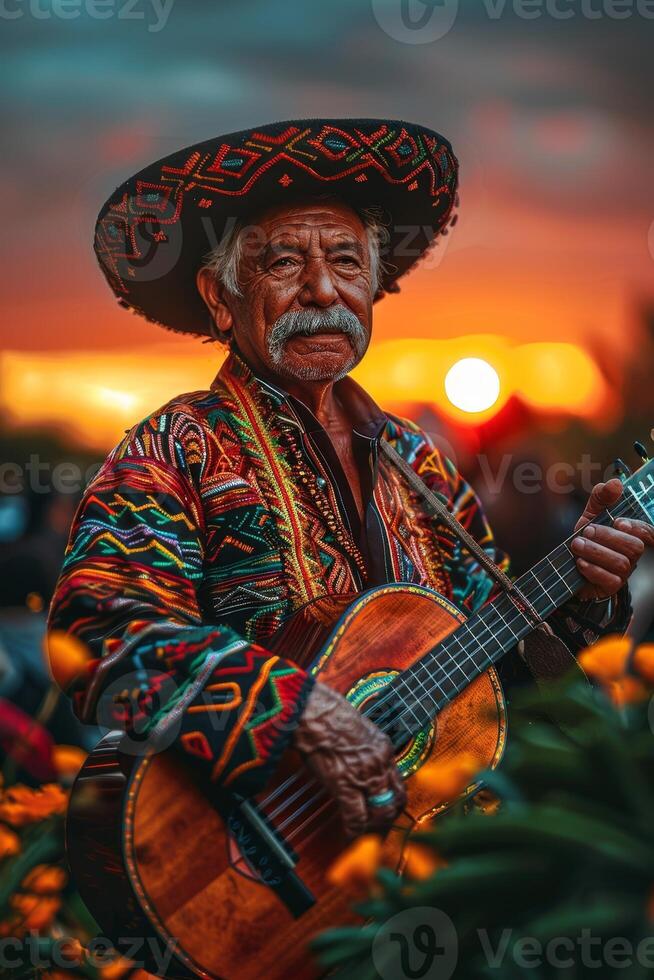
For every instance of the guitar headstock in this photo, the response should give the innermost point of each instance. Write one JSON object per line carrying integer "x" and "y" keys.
{"x": 639, "y": 486}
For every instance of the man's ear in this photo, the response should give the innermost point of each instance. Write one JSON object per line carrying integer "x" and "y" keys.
{"x": 212, "y": 292}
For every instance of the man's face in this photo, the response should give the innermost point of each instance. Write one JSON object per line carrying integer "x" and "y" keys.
{"x": 306, "y": 306}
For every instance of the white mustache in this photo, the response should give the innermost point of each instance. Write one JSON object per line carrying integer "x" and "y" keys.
{"x": 306, "y": 323}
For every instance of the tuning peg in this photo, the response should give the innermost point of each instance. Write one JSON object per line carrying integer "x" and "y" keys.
{"x": 621, "y": 469}
{"x": 641, "y": 451}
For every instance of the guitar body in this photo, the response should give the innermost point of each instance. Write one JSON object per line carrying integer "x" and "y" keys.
{"x": 153, "y": 855}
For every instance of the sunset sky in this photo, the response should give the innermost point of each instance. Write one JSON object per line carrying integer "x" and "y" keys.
{"x": 551, "y": 121}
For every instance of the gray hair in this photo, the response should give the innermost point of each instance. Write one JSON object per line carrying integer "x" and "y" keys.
{"x": 224, "y": 260}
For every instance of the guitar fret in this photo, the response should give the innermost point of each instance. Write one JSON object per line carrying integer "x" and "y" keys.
{"x": 455, "y": 639}
{"x": 499, "y": 613}
{"x": 409, "y": 708}
{"x": 493, "y": 630}
{"x": 427, "y": 692}
{"x": 636, "y": 497}
{"x": 558, "y": 573}
{"x": 482, "y": 620}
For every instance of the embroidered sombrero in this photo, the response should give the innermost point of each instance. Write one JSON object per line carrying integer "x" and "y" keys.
{"x": 155, "y": 230}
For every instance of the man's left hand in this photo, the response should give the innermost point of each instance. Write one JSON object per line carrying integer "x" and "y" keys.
{"x": 606, "y": 556}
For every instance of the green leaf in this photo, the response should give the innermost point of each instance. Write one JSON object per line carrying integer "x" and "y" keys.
{"x": 569, "y": 919}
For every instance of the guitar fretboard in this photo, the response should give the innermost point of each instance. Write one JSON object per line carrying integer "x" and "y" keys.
{"x": 412, "y": 699}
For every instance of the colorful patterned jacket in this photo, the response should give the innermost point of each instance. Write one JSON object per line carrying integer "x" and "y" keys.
{"x": 215, "y": 519}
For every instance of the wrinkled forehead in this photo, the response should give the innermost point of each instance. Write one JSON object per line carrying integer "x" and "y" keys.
{"x": 325, "y": 221}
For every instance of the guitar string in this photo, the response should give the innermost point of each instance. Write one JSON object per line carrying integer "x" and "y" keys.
{"x": 434, "y": 683}
{"x": 541, "y": 585}
{"x": 569, "y": 564}
{"x": 379, "y": 702}
{"x": 488, "y": 618}
{"x": 442, "y": 674}
{"x": 321, "y": 792}
{"x": 309, "y": 784}
{"x": 292, "y": 817}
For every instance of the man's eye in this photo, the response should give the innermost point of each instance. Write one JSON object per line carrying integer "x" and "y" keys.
{"x": 347, "y": 260}
{"x": 282, "y": 262}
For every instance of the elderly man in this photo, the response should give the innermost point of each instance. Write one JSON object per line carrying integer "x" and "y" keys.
{"x": 226, "y": 510}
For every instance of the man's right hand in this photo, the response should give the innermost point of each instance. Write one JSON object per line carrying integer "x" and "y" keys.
{"x": 353, "y": 760}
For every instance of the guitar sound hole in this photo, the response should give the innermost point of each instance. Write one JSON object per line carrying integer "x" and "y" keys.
{"x": 388, "y": 717}
{"x": 373, "y": 697}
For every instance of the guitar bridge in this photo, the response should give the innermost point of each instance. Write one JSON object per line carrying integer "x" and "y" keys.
{"x": 267, "y": 853}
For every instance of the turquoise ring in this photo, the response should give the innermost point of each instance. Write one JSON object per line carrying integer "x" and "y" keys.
{"x": 382, "y": 799}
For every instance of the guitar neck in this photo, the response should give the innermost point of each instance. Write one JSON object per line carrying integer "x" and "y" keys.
{"x": 431, "y": 683}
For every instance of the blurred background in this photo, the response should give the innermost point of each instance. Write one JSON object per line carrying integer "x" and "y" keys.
{"x": 525, "y": 345}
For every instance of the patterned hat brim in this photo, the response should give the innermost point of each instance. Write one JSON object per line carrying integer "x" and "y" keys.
{"x": 155, "y": 230}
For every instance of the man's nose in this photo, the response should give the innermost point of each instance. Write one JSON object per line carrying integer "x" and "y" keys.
{"x": 318, "y": 287}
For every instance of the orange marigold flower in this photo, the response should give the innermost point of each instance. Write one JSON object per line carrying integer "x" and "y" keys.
{"x": 627, "y": 690}
{"x": 66, "y": 656}
{"x": 606, "y": 660}
{"x": 72, "y": 951}
{"x": 444, "y": 781}
{"x": 68, "y": 760}
{"x": 35, "y": 911}
{"x": 9, "y": 927}
{"x": 354, "y": 870}
{"x": 643, "y": 662}
{"x": 9, "y": 842}
{"x": 45, "y": 879}
{"x": 421, "y": 861}
{"x": 117, "y": 969}
{"x": 486, "y": 802}
{"x": 22, "y": 805}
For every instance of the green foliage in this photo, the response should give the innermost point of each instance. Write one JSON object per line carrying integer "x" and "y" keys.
{"x": 560, "y": 880}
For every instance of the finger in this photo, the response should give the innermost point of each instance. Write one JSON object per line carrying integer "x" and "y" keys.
{"x": 398, "y": 784}
{"x": 379, "y": 817}
{"x": 602, "y": 557}
{"x": 616, "y": 540}
{"x": 606, "y": 583}
{"x": 603, "y": 495}
{"x": 354, "y": 812}
{"x": 638, "y": 529}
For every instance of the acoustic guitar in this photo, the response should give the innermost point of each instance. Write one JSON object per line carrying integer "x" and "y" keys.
{"x": 236, "y": 888}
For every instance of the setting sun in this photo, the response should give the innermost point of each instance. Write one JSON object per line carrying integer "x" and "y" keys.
{"x": 472, "y": 385}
